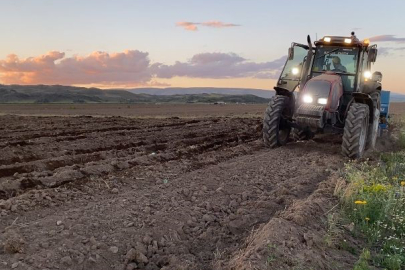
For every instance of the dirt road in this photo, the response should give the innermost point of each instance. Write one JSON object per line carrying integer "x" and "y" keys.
{"x": 121, "y": 193}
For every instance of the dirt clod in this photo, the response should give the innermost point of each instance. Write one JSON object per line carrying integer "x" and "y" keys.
{"x": 114, "y": 249}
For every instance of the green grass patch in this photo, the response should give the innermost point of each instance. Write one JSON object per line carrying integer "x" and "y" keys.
{"x": 374, "y": 200}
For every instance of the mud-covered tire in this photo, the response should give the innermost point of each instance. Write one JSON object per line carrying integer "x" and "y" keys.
{"x": 355, "y": 131}
{"x": 275, "y": 132}
{"x": 373, "y": 130}
{"x": 301, "y": 135}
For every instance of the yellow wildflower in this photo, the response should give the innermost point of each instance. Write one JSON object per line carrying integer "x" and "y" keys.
{"x": 367, "y": 219}
{"x": 360, "y": 202}
{"x": 403, "y": 183}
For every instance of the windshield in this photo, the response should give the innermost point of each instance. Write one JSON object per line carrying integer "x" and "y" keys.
{"x": 337, "y": 59}
{"x": 290, "y": 77}
{"x": 340, "y": 60}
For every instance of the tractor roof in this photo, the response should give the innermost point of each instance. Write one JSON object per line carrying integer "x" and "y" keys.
{"x": 345, "y": 41}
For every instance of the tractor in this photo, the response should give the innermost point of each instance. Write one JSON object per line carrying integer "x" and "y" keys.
{"x": 327, "y": 87}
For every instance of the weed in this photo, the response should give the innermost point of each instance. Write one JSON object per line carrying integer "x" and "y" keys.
{"x": 374, "y": 200}
{"x": 270, "y": 259}
{"x": 333, "y": 231}
{"x": 218, "y": 254}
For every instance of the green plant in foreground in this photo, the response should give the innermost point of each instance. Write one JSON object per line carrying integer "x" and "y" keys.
{"x": 374, "y": 201}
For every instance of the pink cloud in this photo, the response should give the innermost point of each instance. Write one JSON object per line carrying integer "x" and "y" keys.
{"x": 130, "y": 66}
{"x": 193, "y": 26}
{"x": 189, "y": 26}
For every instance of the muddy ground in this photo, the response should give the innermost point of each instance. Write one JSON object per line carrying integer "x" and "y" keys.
{"x": 147, "y": 110}
{"x": 134, "y": 110}
{"x": 176, "y": 193}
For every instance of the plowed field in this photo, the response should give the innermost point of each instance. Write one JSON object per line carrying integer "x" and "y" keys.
{"x": 166, "y": 193}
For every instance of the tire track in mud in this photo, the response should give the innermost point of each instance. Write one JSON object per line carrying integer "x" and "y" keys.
{"x": 185, "y": 200}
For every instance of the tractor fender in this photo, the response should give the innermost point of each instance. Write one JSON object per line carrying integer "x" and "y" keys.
{"x": 364, "y": 99}
{"x": 291, "y": 99}
{"x": 371, "y": 86}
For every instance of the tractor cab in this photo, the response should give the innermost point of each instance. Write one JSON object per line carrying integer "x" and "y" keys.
{"x": 345, "y": 56}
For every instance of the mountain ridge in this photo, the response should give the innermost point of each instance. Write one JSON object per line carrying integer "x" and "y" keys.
{"x": 73, "y": 94}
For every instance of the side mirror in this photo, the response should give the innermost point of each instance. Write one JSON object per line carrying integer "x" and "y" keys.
{"x": 291, "y": 53}
{"x": 377, "y": 76}
{"x": 372, "y": 55}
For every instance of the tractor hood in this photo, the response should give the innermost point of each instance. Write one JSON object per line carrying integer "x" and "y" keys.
{"x": 323, "y": 90}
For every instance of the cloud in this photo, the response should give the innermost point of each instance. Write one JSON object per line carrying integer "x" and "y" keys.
{"x": 193, "y": 26}
{"x": 130, "y": 66}
{"x": 189, "y": 26}
{"x": 219, "y": 66}
{"x": 385, "y": 51}
{"x": 218, "y": 24}
{"x": 387, "y": 38}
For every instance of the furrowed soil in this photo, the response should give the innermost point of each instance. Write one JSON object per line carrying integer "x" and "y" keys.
{"x": 174, "y": 193}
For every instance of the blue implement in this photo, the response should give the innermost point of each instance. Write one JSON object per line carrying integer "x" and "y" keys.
{"x": 385, "y": 108}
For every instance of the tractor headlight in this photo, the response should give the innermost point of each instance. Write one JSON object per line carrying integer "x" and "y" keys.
{"x": 348, "y": 40}
{"x": 322, "y": 101}
{"x": 307, "y": 99}
{"x": 295, "y": 71}
{"x": 367, "y": 74}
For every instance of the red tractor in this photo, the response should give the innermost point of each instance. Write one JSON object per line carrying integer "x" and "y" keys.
{"x": 336, "y": 93}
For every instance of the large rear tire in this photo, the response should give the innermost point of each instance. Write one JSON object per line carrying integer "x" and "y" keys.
{"x": 355, "y": 131}
{"x": 276, "y": 131}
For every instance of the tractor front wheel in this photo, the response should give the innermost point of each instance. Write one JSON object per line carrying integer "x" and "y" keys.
{"x": 355, "y": 131}
{"x": 276, "y": 130}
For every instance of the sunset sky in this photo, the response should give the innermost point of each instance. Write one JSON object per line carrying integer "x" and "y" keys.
{"x": 183, "y": 43}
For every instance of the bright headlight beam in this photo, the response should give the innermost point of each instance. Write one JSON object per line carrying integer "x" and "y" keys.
{"x": 367, "y": 74}
{"x": 327, "y": 39}
{"x": 307, "y": 99}
{"x": 322, "y": 101}
{"x": 348, "y": 41}
{"x": 295, "y": 71}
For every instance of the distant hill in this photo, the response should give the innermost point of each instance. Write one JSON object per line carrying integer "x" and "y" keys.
{"x": 69, "y": 94}
{"x": 203, "y": 90}
{"x": 395, "y": 97}
{"x": 60, "y": 94}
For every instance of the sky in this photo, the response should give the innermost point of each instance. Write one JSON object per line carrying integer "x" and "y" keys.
{"x": 183, "y": 43}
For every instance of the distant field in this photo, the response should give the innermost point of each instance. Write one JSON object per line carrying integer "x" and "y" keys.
{"x": 146, "y": 110}
{"x": 397, "y": 108}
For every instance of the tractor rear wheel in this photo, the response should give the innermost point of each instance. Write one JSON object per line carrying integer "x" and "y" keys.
{"x": 355, "y": 131}
{"x": 276, "y": 130}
